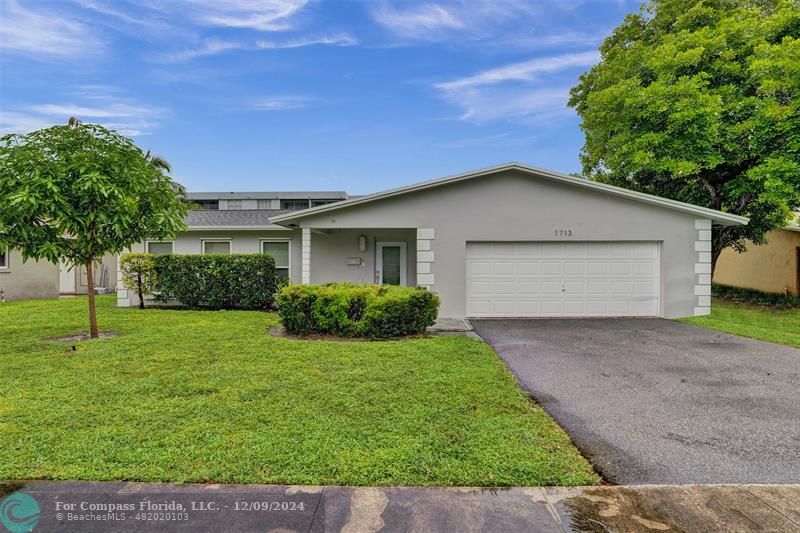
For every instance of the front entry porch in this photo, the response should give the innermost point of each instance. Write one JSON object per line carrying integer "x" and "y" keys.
{"x": 392, "y": 256}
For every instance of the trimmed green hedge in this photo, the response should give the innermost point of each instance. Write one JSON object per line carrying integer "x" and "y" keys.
{"x": 752, "y": 296}
{"x": 351, "y": 310}
{"x": 240, "y": 281}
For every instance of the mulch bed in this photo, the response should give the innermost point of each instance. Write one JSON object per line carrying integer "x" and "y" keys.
{"x": 82, "y": 337}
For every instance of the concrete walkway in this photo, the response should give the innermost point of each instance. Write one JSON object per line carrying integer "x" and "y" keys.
{"x": 118, "y": 506}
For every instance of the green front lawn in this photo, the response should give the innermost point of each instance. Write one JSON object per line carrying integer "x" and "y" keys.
{"x": 209, "y": 396}
{"x": 759, "y": 322}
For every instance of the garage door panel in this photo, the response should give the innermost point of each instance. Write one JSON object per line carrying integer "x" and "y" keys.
{"x": 528, "y": 249}
{"x": 526, "y": 307}
{"x": 528, "y": 287}
{"x": 551, "y": 268}
{"x": 596, "y": 288}
{"x": 644, "y": 268}
{"x": 480, "y": 249}
{"x": 573, "y": 288}
{"x": 477, "y": 267}
{"x": 597, "y": 268}
{"x": 503, "y": 268}
{"x": 527, "y": 268}
{"x": 621, "y": 269}
{"x": 563, "y": 279}
{"x": 505, "y": 287}
{"x": 573, "y": 268}
{"x": 504, "y": 249}
{"x": 551, "y": 287}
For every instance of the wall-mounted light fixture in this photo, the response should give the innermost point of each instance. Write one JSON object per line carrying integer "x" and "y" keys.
{"x": 362, "y": 243}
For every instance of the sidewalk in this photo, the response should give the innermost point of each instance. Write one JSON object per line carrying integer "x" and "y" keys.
{"x": 119, "y": 506}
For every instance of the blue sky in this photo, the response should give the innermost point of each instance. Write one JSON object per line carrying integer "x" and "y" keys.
{"x": 357, "y": 95}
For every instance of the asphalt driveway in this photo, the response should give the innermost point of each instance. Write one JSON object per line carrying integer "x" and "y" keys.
{"x": 657, "y": 401}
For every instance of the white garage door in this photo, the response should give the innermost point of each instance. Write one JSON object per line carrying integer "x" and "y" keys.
{"x": 570, "y": 279}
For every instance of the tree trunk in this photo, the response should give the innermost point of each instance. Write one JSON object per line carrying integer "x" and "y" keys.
{"x": 139, "y": 289}
{"x": 715, "y": 253}
{"x": 93, "y": 333}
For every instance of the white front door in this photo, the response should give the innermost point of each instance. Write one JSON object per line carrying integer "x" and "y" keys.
{"x": 66, "y": 279}
{"x": 562, "y": 279}
{"x": 390, "y": 263}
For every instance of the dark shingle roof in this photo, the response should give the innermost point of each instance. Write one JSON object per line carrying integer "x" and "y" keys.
{"x": 267, "y": 195}
{"x": 231, "y": 218}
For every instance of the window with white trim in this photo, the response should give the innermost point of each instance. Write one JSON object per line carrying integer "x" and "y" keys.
{"x": 265, "y": 204}
{"x": 279, "y": 249}
{"x": 234, "y": 204}
{"x": 159, "y": 247}
{"x": 217, "y": 246}
{"x": 4, "y": 259}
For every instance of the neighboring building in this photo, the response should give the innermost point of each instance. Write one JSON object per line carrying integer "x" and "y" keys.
{"x": 29, "y": 279}
{"x": 42, "y": 279}
{"x": 772, "y": 267}
{"x": 506, "y": 241}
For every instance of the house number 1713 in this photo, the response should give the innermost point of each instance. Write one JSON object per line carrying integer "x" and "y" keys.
{"x": 563, "y": 233}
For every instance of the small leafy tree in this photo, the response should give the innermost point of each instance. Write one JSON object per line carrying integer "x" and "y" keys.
{"x": 138, "y": 272}
{"x": 699, "y": 101}
{"x": 76, "y": 192}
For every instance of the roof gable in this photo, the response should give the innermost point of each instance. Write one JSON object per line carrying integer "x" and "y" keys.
{"x": 718, "y": 217}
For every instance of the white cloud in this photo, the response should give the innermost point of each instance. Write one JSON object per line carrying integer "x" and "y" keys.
{"x": 13, "y": 122}
{"x": 44, "y": 33}
{"x": 420, "y": 22}
{"x": 339, "y": 39}
{"x": 521, "y": 104}
{"x": 442, "y": 20}
{"x": 525, "y": 71}
{"x": 281, "y": 103}
{"x": 99, "y": 104}
{"x": 262, "y": 15}
{"x": 529, "y": 90}
{"x": 535, "y": 41}
{"x": 211, "y": 47}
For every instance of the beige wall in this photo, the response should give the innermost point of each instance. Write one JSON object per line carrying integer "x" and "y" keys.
{"x": 772, "y": 267}
{"x": 30, "y": 279}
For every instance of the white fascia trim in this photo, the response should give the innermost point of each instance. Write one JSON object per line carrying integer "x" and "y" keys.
{"x": 235, "y": 228}
{"x": 716, "y": 216}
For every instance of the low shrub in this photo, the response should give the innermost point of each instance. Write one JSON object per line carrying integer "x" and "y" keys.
{"x": 217, "y": 281}
{"x": 351, "y": 310}
{"x": 138, "y": 273}
{"x": 752, "y": 296}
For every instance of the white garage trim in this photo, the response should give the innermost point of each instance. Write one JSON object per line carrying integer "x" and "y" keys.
{"x": 563, "y": 279}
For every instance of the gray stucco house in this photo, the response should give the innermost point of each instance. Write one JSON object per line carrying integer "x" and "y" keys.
{"x": 505, "y": 241}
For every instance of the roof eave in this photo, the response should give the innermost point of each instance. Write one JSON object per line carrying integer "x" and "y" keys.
{"x": 235, "y": 228}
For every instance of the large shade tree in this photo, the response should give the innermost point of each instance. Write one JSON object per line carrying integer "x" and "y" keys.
{"x": 699, "y": 101}
{"x": 76, "y": 192}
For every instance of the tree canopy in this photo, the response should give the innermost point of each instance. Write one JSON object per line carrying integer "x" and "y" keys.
{"x": 699, "y": 101}
{"x": 75, "y": 192}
